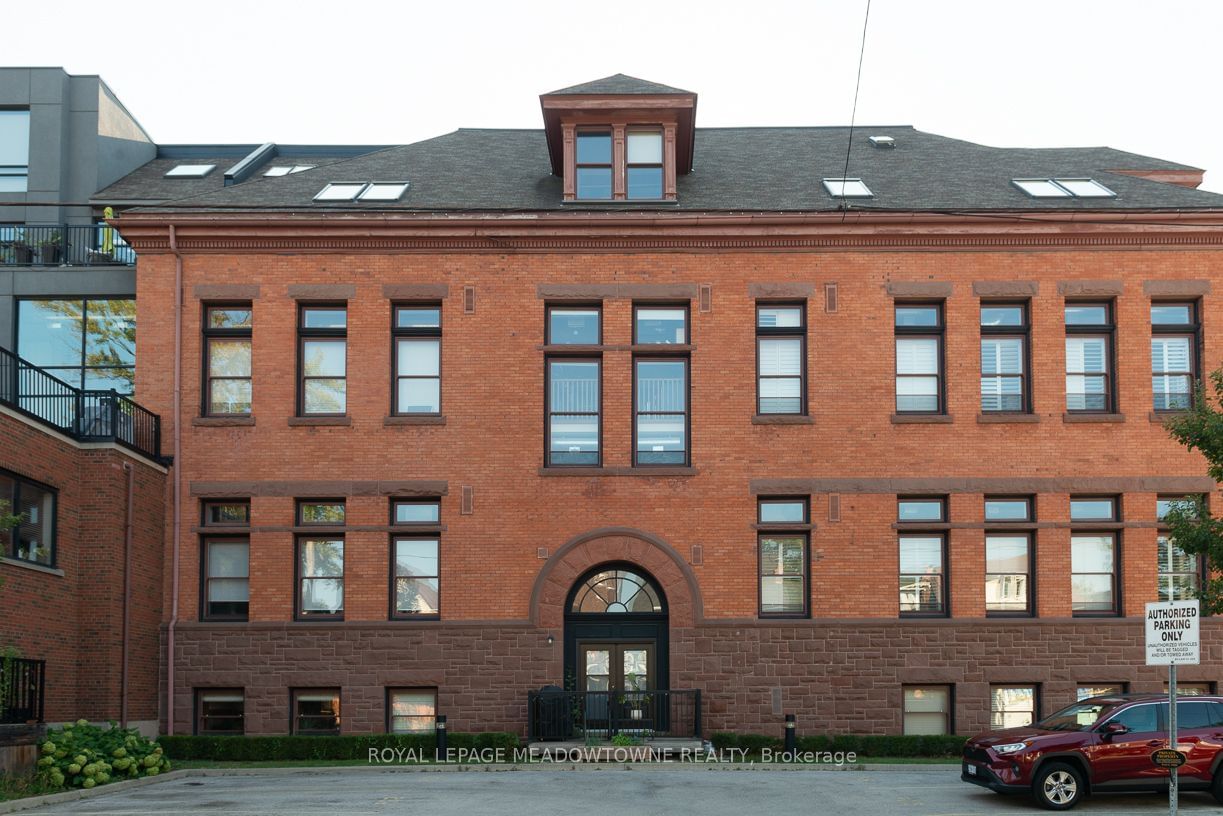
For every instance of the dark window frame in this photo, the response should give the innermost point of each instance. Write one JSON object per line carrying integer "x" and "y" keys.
{"x": 1036, "y": 698}
{"x": 199, "y": 729}
{"x": 207, "y": 504}
{"x": 1027, "y": 498}
{"x": 1192, "y": 330}
{"x": 333, "y": 335}
{"x": 1201, "y": 571}
{"x": 295, "y": 716}
{"x": 550, "y": 306}
{"x": 390, "y": 713}
{"x": 597, "y": 359}
{"x": 639, "y": 305}
{"x": 299, "y": 518}
{"x": 1000, "y": 529}
{"x": 774, "y": 332}
{"x": 941, "y": 500}
{"x": 412, "y": 525}
{"x": 1023, "y": 333}
{"x": 1107, "y": 330}
{"x": 223, "y": 535}
{"x": 82, "y": 369}
{"x": 937, "y": 333}
{"x": 15, "y": 502}
{"x": 914, "y": 530}
{"x": 783, "y": 529}
{"x": 411, "y": 334}
{"x": 299, "y": 613}
{"x": 1118, "y": 606}
{"x": 660, "y": 165}
{"x": 686, "y": 413}
{"x": 393, "y": 612}
{"x": 578, "y": 166}
{"x": 1110, "y": 497}
{"x": 950, "y": 702}
{"x": 211, "y": 333}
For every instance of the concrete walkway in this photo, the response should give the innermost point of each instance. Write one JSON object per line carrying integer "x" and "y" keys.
{"x": 640, "y": 790}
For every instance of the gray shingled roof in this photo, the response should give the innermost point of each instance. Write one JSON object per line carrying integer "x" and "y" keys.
{"x": 736, "y": 169}
{"x": 618, "y": 84}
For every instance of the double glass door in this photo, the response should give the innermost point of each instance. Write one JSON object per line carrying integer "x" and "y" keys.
{"x": 618, "y": 667}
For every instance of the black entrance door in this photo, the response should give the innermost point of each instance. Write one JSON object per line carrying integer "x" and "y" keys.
{"x": 616, "y": 647}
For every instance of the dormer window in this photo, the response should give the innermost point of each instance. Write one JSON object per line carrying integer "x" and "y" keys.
{"x": 594, "y": 164}
{"x": 643, "y": 168}
{"x": 620, "y": 139}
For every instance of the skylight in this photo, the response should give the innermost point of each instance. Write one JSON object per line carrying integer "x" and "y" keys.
{"x": 883, "y": 141}
{"x": 190, "y": 170}
{"x": 341, "y": 191}
{"x": 847, "y": 188}
{"x": 286, "y": 169}
{"x": 1085, "y": 188}
{"x": 1064, "y": 188}
{"x": 384, "y": 191}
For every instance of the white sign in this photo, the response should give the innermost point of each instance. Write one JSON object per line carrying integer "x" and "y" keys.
{"x": 1173, "y": 633}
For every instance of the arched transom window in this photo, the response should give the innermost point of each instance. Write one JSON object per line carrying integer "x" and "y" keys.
{"x": 616, "y": 591}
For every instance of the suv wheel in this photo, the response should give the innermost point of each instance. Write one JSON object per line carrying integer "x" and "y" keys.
{"x": 1216, "y": 786}
{"x": 1058, "y": 786}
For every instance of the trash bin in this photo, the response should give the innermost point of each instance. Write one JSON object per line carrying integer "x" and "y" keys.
{"x": 552, "y": 714}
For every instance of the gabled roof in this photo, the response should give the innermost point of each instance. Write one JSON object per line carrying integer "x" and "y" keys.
{"x": 737, "y": 169}
{"x": 618, "y": 84}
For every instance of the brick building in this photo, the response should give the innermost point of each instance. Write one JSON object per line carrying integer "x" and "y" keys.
{"x": 626, "y": 404}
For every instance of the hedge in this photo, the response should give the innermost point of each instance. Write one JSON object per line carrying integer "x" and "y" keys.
{"x": 868, "y": 745}
{"x": 291, "y": 746}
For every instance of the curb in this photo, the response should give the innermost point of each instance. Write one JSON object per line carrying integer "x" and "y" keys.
{"x": 31, "y": 802}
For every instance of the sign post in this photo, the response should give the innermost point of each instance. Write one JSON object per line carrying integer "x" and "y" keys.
{"x": 1173, "y": 636}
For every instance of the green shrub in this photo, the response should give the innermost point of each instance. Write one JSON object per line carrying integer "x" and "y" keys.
{"x": 298, "y": 747}
{"x": 866, "y": 745}
{"x": 84, "y": 756}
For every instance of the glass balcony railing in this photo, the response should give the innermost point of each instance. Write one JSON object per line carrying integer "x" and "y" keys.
{"x": 63, "y": 245}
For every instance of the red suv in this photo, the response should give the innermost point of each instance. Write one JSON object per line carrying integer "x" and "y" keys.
{"x": 1100, "y": 744}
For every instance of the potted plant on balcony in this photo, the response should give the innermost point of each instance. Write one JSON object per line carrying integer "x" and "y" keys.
{"x": 23, "y": 253}
{"x": 50, "y": 249}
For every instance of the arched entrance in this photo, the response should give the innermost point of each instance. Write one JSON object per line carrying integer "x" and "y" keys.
{"x": 616, "y": 632}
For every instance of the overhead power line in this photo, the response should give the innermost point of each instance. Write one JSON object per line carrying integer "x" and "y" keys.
{"x": 853, "y": 116}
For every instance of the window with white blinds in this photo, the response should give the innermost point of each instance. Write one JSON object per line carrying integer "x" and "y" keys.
{"x": 1089, "y": 344}
{"x": 917, "y": 374}
{"x": 1174, "y": 335}
{"x": 780, "y": 350}
{"x": 1004, "y": 330}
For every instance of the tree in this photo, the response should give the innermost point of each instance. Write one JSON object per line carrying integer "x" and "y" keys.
{"x": 1189, "y": 522}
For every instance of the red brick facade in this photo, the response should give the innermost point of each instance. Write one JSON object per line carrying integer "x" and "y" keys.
{"x": 71, "y": 614}
{"x": 507, "y": 565}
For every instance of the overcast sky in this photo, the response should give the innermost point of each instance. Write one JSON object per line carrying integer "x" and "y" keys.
{"x": 1136, "y": 76}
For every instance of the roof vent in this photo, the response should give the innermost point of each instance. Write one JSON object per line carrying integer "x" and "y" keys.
{"x": 883, "y": 141}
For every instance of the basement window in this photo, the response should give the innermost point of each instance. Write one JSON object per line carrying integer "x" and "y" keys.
{"x": 847, "y": 188}
{"x": 384, "y": 191}
{"x": 190, "y": 170}
{"x": 341, "y": 191}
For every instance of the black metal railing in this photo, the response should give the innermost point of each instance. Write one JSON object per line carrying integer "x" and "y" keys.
{"x": 22, "y": 690}
{"x": 649, "y": 714}
{"x": 87, "y": 416}
{"x": 63, "y": 245}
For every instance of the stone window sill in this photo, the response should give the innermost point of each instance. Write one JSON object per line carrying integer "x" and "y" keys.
{"x": 1085, "y": 417}
{"x": 426, "y": 419}
{"x": 328, "y": 420}
{"x": 784, "y": 528}
{"x": 1005, "y": 419}
{"x": 660, "y": 470}
{"x": 782, "y": 419}
{"x": 17, "y": 562}
{"x": 922, "y": 419}
{"x": 222, "y": 421}
{"x": 1160, "y": 417}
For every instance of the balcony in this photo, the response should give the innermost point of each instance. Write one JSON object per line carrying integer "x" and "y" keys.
{"x": 84, "y": 415}
{"x": 63, "y": 245}
{"x": 648, "y": 714}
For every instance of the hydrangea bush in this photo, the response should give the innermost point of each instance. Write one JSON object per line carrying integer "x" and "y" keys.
{"x": 81, "y": 755}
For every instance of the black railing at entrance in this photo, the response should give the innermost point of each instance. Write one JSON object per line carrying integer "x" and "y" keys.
{"x": 22, "y": 690}
{"x": 563, "y": 715}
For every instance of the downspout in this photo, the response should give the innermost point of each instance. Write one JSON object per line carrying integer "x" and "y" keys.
{"x": 127, "y": 591}
{"x": 178, "y": 482}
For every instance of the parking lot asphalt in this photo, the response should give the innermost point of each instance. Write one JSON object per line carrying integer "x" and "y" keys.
{"x": 636, "y": 789}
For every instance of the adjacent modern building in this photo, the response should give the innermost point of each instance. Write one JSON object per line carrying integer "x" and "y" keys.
{"x": 695, "y": 426}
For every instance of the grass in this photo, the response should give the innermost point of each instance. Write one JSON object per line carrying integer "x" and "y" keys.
{"x": 22, "y": 787}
